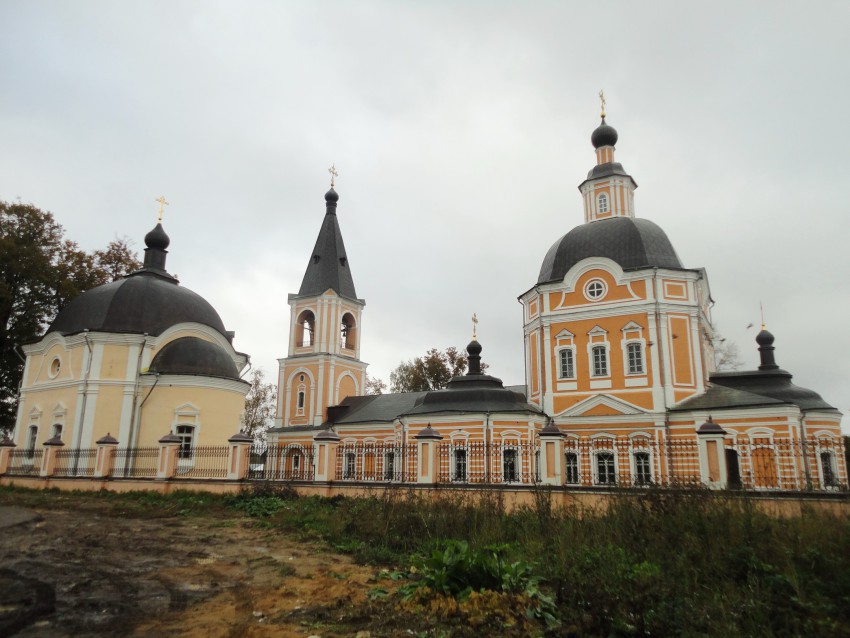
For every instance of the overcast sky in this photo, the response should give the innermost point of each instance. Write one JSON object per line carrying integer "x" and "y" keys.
{"x": 460, "y": 131}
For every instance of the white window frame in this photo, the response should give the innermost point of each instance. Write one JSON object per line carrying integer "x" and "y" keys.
{"x": 603, "y": 449}
{"x": 517, "y": 464}
{"x": 595, "y": 284}
{"x": 456, "y": 474}
{"x": 603, "y": 348}
{"x": 627, "y": 363}
{"x": 602, "y": 203}
{"x": 577, "y": 454}
{"x": 185, "y": 452}
{"x": 300, "y": 399}
{"x": 349, "y": 464}
{"x": 571, "y": 351}
{"x": 32, "y": 440}
{"x": 389, "y": 465}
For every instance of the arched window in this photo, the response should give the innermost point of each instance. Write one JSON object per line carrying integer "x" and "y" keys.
{"x": 350, "y": 465}
{"x": 606, "y": 471}
{"x": 571, "y": 468}
{"x": 827, "y": 463}
{"x": 643, "y": 468}
{"x": 305, "y": 331}
{"x": 347, "y": 331}
{"x": 602, "y": 203}
{"x": 509, "y": 465}
{"x": 459, "y": 464}
{"x": 31, "y": 439}
{"x": 57, "y": 430}
{"x": 300, "y": 400}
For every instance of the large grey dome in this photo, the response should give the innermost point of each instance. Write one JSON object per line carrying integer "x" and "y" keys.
{"x": 632, "y": 243}
{"x": 142, "y": 303}
{"x": 193, "y": 356}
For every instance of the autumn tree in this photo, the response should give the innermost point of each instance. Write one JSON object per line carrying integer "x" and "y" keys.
{"x": 260, "y": 404}
{"x": 432, "y": 371}
{"x": 726, "y": 355}
{"x": 374, "y": 385}
{"x": 40, "y": 272}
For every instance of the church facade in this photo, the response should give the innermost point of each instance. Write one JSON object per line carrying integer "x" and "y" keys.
{"x": 620, "y": 384}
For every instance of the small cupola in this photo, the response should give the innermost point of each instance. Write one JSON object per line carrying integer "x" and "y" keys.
{"x": 765, "y": 340}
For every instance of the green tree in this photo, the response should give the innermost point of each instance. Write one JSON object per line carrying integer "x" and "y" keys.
{"x": 432, "y": 371}
{"x": 41, "y": 271}
{"x": 260, "y": 405}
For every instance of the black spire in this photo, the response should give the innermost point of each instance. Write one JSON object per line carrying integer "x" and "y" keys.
{"x": 328, "y": 267}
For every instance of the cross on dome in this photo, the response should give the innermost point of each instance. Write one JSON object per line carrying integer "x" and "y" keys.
{"x": 162, "y": 204}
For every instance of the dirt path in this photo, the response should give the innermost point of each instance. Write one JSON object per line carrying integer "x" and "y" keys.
{"x": 91, "y": 573}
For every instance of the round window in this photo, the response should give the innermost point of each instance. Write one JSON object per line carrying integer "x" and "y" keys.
{"x": 595, "y": 289}
{"x": 55, "y": 367}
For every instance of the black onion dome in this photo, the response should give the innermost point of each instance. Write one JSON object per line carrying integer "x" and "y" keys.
{"x": 194, "y": 356}
{"x": 474, "y": 348}
{"x": 765, "y": 338}
{"x": 331, "y": 196}
{"x": 604, "y": 135}
{"x": 141, "y": 303}
{"x": 157, "y": 238}
{"x": 632, "y": 243}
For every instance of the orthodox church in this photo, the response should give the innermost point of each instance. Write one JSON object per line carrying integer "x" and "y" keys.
{"x": 131, "y": 361}
{"x": 620, "y": 382}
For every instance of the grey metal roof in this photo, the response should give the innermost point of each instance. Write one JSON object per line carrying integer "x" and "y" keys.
{"x": 473, "y": 393}
{"x": 632, "y": 243}
{"x": 328, "y": 266}
{"x": 190, "y": 355}
{"x": 143, "y": 302}
{"x": 753, "y": 388}
{"x": 378, "y": 408}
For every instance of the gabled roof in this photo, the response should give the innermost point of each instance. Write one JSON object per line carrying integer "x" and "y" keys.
{"x": 328, "y": 266}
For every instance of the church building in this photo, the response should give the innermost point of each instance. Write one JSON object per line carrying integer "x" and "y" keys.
{"x": 620, "y": 387}
{"x": 132, "y": 361}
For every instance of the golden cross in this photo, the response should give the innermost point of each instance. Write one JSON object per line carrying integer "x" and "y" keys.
{"x": 761, "y": 309}
{"x": 162, "y": 204}
{"x": 332, "y": 170}
{"x": 474, "y": 325}
{"x": 602, "y": 99}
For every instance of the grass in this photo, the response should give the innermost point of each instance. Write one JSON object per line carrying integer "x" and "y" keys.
{"x": 691, "y": 563}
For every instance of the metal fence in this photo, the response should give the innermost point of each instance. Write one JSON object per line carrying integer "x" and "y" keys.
{"x": 479, "y": 462}
{"x": 281, "y": 463}
{"x": 25, "y": 462}
{"x": 75, "y": 462}
{"x": 203, "y": 461}
{"x": 136, "y": 462}
{"x": 390, "y": 462}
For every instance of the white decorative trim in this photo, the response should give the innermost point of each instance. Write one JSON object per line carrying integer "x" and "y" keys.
{"x": 602, "y": 400}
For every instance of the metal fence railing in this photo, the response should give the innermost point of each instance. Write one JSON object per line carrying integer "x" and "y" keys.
{"x": 479, "y": 462}
{"x": 281, "y": 463}
{"x": 26, "y": 462}
{"x": 75, "y": 462}
{"x": 136, "y": 462}
{"x": 203, "y": 461}
{"x": 389, "y": 462}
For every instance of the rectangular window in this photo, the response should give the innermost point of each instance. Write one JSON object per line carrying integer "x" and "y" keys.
{"x": 600, "y": 361}
{"x": 635, "y": 356}
{"x": 826, "y": 461}
{"x": 459, "y": 473}
{"x": 509, "y": 463}
{"x": 571, "y": 468}
{"x": 567, "y": 367}
{"x": 389, "y": 466}
{"x": 186, "y": 434}
{"x": 606, "y": 474}
{"x": 348, "y": 470}
{"x": 643, "y": 469}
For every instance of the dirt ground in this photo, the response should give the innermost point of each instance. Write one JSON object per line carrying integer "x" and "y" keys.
{"x": 66, "y": 572}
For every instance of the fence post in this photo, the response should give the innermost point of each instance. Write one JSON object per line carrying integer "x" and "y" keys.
{"x": 6, "y": 447}
{"x": 105, "y": 461}
{"x": 551, "y": 455}
{"x": 712, "y": 455}
{"x": 428, "y": 457}
{"x": 169, "y": 445}
{"x": 238, "y": 460}
{"x": 326, "y": 443}
{"x": 48, "y": 461}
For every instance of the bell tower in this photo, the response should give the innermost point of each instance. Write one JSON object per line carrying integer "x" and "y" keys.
{"x": 323, "y": 364}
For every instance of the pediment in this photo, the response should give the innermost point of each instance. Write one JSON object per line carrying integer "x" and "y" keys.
{"x": 602, "y": 405}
